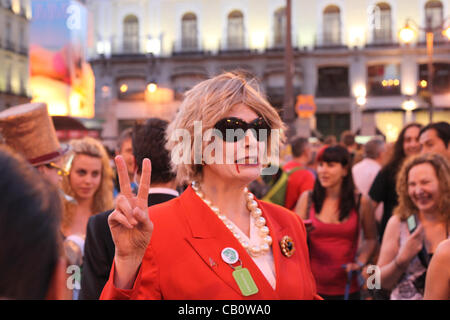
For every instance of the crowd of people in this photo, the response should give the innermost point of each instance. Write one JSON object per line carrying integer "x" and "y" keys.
{"x": 144, "y": 226}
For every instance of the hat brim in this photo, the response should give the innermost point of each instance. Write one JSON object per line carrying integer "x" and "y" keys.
{"x": 50, "y": 157}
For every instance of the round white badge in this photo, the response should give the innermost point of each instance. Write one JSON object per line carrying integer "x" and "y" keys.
{"x": 230, "y": 255}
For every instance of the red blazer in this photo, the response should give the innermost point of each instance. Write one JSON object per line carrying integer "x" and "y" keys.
{"x": 183, "y": 260}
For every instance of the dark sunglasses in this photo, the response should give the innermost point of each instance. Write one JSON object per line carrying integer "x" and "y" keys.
{"x": 61, "y": 172}
{"x": 234, "y": 129}
{"x": 64, "y": 171}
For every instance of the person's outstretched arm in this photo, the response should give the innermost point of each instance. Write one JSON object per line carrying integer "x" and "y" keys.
{"x": 131, "y": 228}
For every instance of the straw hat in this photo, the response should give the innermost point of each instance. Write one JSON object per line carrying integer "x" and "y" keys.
{"x": 29, "y": 130}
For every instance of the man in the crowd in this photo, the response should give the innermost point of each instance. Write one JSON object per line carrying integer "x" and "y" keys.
{"x": 148, "y": 142}
{"x": 435, "y": 138}
{"x": 31, "y": 261}
{"x": 301, "y": 178}
{"x": 348, "y": 141}
{"x": 365, "y": 171}
{"x": 28, "y": 130}
{"x": 125, "y": 149}
{"x": 330, "y": 140}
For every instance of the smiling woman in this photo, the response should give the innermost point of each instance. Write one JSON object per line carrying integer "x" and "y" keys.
{"x": 422, "y": 185}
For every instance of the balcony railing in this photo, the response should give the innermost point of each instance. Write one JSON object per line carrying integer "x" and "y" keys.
{"x": 438, "y": 39}
{"x": 188, "y": 47}
{"x": 125, "y": 47}
{"x": 23, "y": 50}
{"x": 8, "y": 45}
{"x": 329, "y": 40}
{"x": 330, "y": 92}
{"x": 232, "y": 45}
{"x": 377, "y": 90}
{"x": 382, "y": 38}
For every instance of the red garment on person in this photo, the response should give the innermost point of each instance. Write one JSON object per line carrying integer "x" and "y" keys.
{"x": 298, "y": 182}
{"x": 331, "y": 246}
{"x": 183, "y": 260}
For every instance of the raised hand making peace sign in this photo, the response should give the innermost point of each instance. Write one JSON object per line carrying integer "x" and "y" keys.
{"x": 130, "y": 225}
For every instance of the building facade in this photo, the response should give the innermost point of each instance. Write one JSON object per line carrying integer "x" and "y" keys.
{"x": 15, "y": 16}
{"x": 347, "y": 54}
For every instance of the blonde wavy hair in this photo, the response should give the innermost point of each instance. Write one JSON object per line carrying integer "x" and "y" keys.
{"x": 441, "y": 167}
{"x": 210, "y": 101}
{"x": 103, "y": 197}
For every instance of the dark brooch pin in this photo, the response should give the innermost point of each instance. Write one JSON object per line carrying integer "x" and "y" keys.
{"x": 287, "y": 246}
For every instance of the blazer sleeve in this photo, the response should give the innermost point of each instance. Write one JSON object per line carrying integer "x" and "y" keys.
{"x": 97, "y": 257}
{"x": 145, "y": 287}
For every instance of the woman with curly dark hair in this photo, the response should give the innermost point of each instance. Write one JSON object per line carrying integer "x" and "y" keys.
{"x": 333, "y": 241}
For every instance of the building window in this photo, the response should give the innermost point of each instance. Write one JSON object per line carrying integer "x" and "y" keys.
{"x": 131, "y": 88}
{"x": 131, "y": 34}
{"x": 332, "y": 25}
{"x": 235, "y": 30}
{"x": 22, "y": 40}
{"x": 7, "y": 4}
{"x": 23, "y": 89}
{"x": 279, "y": 27}
{"x": 8, "y": 30}
{"x": 382, "y": 23}
{"x": 189, "y": 32}
{"x": 333, "y": 82}
{"x": 332, "y": 123}
{"x": 441, "y": 77}
{"x": 433, "y": 13}
{"x": 383, "y": 80}
{"x": 9, "y": 79}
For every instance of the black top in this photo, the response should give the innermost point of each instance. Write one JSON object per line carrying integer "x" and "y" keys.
{"x": 99, "y": 251}
{"x": 383, "y": 190}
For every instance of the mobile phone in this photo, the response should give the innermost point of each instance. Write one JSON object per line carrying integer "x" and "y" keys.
{"x": 412, "y": 223}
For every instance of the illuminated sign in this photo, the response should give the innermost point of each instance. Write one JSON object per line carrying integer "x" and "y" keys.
{"x": 60, "y": 75}
{"x": 305, "y": 106}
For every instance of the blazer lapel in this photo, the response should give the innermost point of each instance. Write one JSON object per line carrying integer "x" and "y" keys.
{"x": 209, "y": 236}
{"x": 285, "y": 267}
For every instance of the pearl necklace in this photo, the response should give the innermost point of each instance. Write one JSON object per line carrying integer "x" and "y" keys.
{"x": 260, "y": 223}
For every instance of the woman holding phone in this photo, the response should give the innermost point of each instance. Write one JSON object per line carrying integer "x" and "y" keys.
{"x": 420, "y": 223}
{"x": 215, "y": 241}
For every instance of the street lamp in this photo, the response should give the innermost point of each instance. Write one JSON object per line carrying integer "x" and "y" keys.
{"x": 152, "y": 87}
{"x": 360, "y": 93}
{"x": 407, "y": 34}
{"x": 288, "y": 108}
{"x": 409, "y": 105}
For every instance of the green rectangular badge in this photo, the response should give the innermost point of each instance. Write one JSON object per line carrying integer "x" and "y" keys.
{"x": 245, "y": 281}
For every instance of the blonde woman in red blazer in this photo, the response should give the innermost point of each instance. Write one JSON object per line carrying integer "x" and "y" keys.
{"x": 216, "y": 241}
